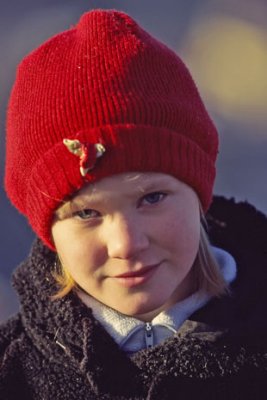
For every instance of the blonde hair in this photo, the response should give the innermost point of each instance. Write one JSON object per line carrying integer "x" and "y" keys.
{"x": 205, "y": 268}
{"x": 64, "y": 280}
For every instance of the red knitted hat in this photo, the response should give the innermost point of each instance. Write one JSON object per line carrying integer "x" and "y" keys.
{"x": 103, "y": 88}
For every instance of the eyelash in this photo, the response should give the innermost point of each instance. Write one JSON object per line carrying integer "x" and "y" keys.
{"x": 83, "y": 214}
{"x": 86, "y": 214}
{"x": 160, "y": 197}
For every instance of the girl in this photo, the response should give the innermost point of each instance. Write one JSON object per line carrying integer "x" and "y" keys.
{"x": 111, "y": 157}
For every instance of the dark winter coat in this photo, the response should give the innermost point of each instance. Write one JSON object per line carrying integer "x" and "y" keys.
{"x": 56, "y": 349}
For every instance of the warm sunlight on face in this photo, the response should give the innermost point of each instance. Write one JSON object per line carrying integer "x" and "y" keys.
{"x": 130, "y": 241}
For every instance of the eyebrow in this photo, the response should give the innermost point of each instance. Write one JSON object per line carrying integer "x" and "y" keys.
{"x": 147, "y": 185}
{"x": 143, "y": 185}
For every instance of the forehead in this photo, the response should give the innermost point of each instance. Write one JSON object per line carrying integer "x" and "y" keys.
{"x": 127, "y": 183}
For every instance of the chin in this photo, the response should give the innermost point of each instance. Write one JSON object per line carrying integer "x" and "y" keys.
{"x": 143, "y": 310}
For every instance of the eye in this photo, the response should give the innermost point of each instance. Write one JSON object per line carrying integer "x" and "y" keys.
{"x": 87, "y": 213}
{"x": 153, "y": 198}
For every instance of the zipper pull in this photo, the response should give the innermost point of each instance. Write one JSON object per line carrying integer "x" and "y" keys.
{"x": 149, "y": 335}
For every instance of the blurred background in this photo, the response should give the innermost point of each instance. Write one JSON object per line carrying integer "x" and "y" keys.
{"x": 224, "y": 43}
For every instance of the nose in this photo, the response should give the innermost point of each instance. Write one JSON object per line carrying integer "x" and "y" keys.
{"x": 126, "y": 238}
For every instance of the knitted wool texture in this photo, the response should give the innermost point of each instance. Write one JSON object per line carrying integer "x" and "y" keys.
{"x": 104, "y": 81}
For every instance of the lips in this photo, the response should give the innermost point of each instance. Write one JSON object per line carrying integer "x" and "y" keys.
{"x": 134, "y": 278}
{"x": 140, "y": 272}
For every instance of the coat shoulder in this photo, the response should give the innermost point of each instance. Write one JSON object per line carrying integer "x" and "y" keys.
{"x": 240, "y": 229}
{"x": 237, "y": 222}
{"x": 10, "y": 331}
{"x": 12, "y": 382}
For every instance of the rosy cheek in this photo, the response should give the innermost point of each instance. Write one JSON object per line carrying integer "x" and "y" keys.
{"x": 181, "y": 233}
{"x": 89, "y": 254}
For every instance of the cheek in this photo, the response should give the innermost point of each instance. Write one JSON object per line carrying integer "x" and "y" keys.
{"x": 79, "y": 253}
{"x": 182, "y": 236}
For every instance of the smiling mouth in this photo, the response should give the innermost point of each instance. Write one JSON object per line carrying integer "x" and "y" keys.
{"x": 134, "y": 278}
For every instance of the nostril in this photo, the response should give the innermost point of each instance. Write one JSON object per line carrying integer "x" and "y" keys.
{"x": 126, "y": 240}
{"x": 126, "y": 248}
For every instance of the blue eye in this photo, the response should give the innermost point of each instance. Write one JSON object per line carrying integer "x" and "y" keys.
{"x": 153, "y": 198}
{"x": 87, "y": 214}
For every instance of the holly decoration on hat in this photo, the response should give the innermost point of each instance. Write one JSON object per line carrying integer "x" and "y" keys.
{"x": 87, "y": 153}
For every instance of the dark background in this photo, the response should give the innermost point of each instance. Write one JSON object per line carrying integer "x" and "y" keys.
{"x": 223, "y": 42}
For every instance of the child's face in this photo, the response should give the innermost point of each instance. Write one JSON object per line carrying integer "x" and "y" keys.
{"x": 130, "y": 241}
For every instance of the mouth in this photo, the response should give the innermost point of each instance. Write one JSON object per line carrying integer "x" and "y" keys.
{"x": 134, "y": 278}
